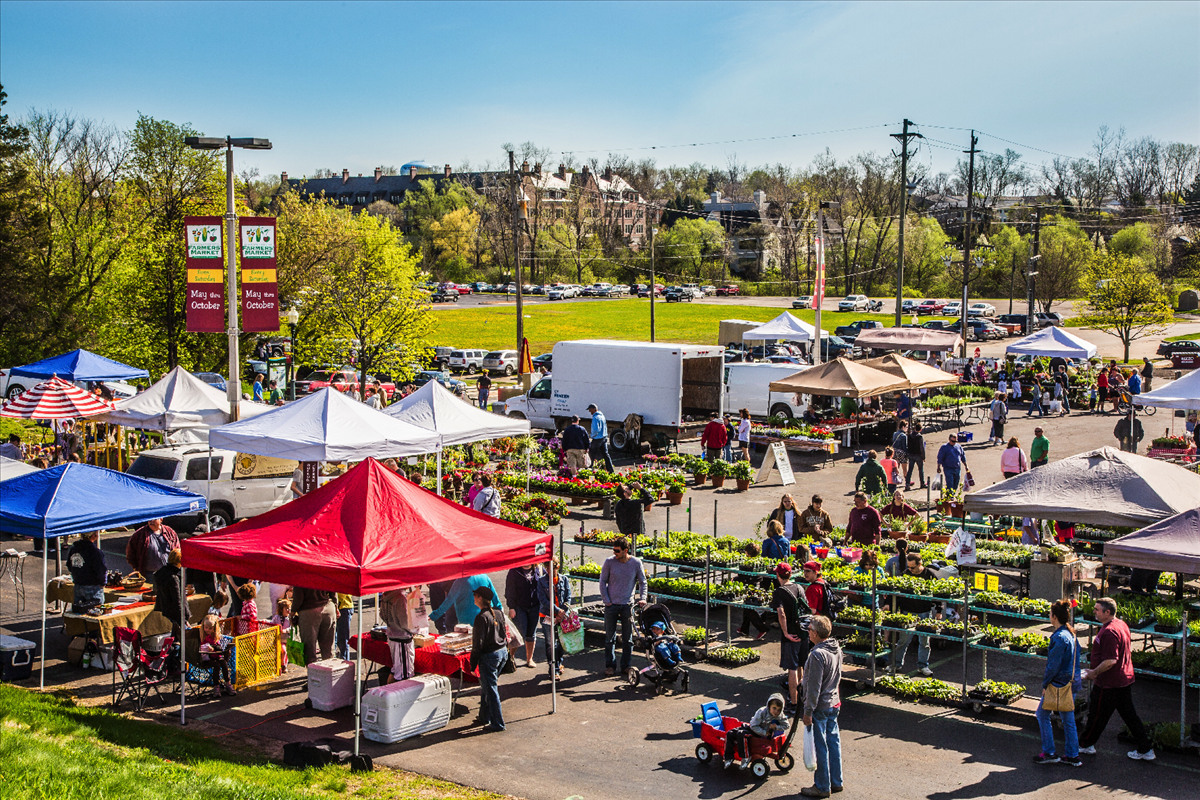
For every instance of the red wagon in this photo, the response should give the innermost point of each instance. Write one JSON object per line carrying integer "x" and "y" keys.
{"x": 712, "y": 743}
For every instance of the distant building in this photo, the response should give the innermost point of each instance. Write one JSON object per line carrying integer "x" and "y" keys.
{"x": 752, "y": 233}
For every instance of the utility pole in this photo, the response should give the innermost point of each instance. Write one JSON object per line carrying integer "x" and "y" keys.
{"x": 1037, "y": 254}
{"x": 819, "y": 279}
{"x": 967, "y": 239}
{"x": 516, "y": 225}
{"x": 653, "y": 231}
{"x": 903, "y": 137}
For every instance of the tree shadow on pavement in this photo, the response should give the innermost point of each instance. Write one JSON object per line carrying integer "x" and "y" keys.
{"x": 712, "y": 780}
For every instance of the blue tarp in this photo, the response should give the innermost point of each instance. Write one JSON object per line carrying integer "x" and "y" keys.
{"x": 80, "y": 365}
{"x": 77, "y": 498}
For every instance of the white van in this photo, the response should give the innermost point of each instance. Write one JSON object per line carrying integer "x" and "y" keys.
{"x": 241, "y": 485}
{"x": 747, "y": 386}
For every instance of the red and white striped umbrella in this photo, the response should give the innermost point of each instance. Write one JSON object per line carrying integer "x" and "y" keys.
{"x": 54, "y": 399}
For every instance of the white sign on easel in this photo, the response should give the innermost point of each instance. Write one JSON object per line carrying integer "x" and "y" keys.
{"x": 777, "y": 458}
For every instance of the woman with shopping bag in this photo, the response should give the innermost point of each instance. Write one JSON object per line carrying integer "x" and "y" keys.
{"x": 1059, "y": 685}
{"x": 562, "y": 599}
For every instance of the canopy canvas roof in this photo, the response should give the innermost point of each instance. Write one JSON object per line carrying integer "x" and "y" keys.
{"x": 80, "y": 365}
{"x": 786, "y": 327}
{"x": 908, "y": 339}
{"x": 1099, "y": 487}
{"x": 11, "y": 468}
{"x": 435, "y": 408}
{"x": 54, "y": 399}
{"x": 1183, "y": 393}
{"x": 1172, "y": 545}
{"x": 367, "y": 531}
{"x": 840, "y": 378}
{"x": 918, "y": 375}
{"x": 324, "y": 426}
{"x": 178, "y": 400}
{"x": 1052, "y": 342}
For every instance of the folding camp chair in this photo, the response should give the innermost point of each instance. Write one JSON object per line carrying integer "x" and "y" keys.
{"x": 158, "y": 670}
{"x": 128, "y": 660}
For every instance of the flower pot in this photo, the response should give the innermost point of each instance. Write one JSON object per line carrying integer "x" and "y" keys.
{"x": 717, "y": 481}
{"x": 895, "y": 534}
{"x": 743, "y": 485}
{"x": 649, "y": 505}
{"x": 675, "y": 498}
{"x": 939, "y": 538}
{"x": 698, "y": 479}
{"x": 958, "y": 510}
{"x": 943, "y": 508}
{"x": 918, "y": 537}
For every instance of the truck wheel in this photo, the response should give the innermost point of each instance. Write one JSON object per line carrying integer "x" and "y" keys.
{"x": 508, "y": 370}
{"x": 219, "y": 516}
{"x": 516, "y": 415}
{"x": 781, "y": 410}
{"x": 620, "y": 440}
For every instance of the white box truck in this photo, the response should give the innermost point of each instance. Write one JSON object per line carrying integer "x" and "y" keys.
{"x": 674, "y": 388}
{"x": 748, "y": 386}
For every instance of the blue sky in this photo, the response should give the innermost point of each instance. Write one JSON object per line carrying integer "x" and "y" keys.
{"x": 359, "y": 84}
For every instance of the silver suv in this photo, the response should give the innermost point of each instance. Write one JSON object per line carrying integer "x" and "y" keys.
{"x": 501, "y": 361}
{"x": 468, "y": 361}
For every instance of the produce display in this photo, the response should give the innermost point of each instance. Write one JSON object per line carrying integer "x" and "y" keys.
{"x": 733, "y": 656}
{"x": 695, "y": 636}
{"x": 917, "y": 689}
{"x": 996, "y": 691}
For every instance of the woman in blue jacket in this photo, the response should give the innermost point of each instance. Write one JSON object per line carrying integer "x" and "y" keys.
{"x": 1062, "y": 668}
{"x": 562, "y": 599}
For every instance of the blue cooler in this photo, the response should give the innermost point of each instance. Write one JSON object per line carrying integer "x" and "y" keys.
{"x": 860, "y": 456}
{"x": 16, "y": 658}
{"x": 966, "y": 436}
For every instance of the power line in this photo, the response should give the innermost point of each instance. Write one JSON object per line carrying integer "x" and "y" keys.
{"x": 726, "y": 141}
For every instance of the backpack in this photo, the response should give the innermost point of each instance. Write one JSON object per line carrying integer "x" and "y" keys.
{"x": 834, "y": 603}
{"x": 492, "y": 506}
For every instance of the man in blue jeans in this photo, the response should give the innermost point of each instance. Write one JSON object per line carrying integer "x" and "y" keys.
{"x": 489, "y": 650}
{"x": 822, "y": 703}
{"x": 950, "y": 461}
{"x": 598, "y": 449}
{"x": 621, "y": 576}
{"x": 923, "y": 609}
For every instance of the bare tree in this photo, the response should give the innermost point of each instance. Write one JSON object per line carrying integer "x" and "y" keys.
{"x": 1139, "y": 172}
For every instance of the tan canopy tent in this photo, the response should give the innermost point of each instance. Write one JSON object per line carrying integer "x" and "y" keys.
{"x": 918, "y": 375}
{"x": 1100, "y": 487}
{"x": 1172, "y": 545}
{"x": 908, "y": 339}
{"x": 840, "y": 378}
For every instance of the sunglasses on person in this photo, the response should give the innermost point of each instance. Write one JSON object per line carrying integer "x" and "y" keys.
{"x": 618, "y": 550}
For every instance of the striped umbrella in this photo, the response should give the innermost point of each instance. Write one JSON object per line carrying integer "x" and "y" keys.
{"x": 54, "y": 399}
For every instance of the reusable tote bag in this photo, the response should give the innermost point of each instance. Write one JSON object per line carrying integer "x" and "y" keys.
{"x": 1062, "y": 698}
{"x": 570, "y": 633}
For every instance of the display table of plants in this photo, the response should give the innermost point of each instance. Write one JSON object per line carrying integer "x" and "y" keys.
{"x": 797, "y": 435}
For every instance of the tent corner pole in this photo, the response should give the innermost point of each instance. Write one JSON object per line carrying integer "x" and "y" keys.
{"x": 183, "y": 615}
{"x": 439, "y": 470}
{"x": 45, "y": 579}
{"x": 358, "y": 677}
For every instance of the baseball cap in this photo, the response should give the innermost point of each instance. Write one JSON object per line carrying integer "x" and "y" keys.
{"x": 658, "y": 626}
{"x": 591, "y": 407}
{"x": 783, "y": 569}
{"x": 814, "y": 566}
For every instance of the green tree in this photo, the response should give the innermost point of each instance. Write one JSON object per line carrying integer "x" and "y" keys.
{"x": 684, "y": 248}
{"x": 22, "y": 229}
{"x": 1136, "y": 241}
{"x": 1065, "y": 253}
{"x": 425, "y": 206}
{"x": 1125, "y": 299}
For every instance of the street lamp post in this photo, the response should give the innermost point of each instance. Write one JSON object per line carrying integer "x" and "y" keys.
{"x": 1029, "y": 276}
{"x": 819, "y": 281}
{"x": 653, "y": 233}
{"x": 234, "y": 385}
{"x": 293, "y": 319}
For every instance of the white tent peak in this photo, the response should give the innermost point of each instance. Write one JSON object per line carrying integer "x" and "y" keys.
{"x": 1183, "y": 393}
{"x": 1053, "y": 342}
{"x": 436, "y": 409}
{"x": 786, "y": 327}
{"x": 178, "y": 400}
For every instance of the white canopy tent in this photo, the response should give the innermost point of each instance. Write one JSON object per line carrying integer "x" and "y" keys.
{"x": 178, "y": 400}
{"x": 11, "y": 468}
{"x": 785, "y": 327}
{"x": 436, "y": 409}
{"x": 1053, "y": 342}
{"x": 1183, "y": 393}
{"x": 324, "y": 426}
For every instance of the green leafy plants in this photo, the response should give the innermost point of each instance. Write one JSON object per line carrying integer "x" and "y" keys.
{"x": 857, "y": 615}
{"x": 695, "y": 636}
{"x": 919, "y": 689}
{"x": 1035, "y": 607}
{"x": 899, "y": 619}
{"x": 996, "y": 691}
{"x": 718, "y": 468}
{"x": 733, "y": 656}
{"x": 994, "y": 636}
{"x": 589, "y": 570}
{"x": 997, "y": 600}
{"x": 1168, "y": 619}
{"x": 1029, "y": 641}
{"x": 742, "y": 471}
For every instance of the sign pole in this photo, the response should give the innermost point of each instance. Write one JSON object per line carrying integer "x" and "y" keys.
{"x": 234, "y": 385}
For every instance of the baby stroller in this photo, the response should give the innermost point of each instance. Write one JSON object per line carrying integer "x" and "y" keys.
{"x": 658, "y": 673}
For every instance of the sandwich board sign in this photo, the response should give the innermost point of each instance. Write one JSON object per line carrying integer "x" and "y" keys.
{"x": 776, "y": 458}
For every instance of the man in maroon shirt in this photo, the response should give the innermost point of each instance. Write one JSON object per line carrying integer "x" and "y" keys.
{"x": 865, "y": 522}
{"x": 1111, "y": 675}
{"x": 714, "y": 438}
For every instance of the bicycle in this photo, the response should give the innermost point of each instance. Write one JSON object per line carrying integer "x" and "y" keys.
{"x": 1124, "y": 401}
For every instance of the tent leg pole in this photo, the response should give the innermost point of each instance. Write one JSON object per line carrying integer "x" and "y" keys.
{"x": 439, "y": 471}
{"x": 527, "y": 463}
{"x": 45, "y": 580}
{"x": 358, "y": 678}
{"x": 1183, "y": 681}
{"x": 552, "y": 579}
{"x": 182, "y": 649}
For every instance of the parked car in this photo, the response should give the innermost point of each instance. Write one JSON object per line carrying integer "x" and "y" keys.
{"x": 1047, "y": 319}
{"x": 930, "y": 307}
{"x": 453, "y": 384}
{"x": 213, "y": 379}
{"x": 444, "y": 295}
{"x": 677, "y": 294}
{"x": 1017, "y": 324}
{"x": 728, "y": 290}
{"x": 695, "y": 289}
{"x": 468, "y": 361}
{"x": 464, "y": 288}
{"x": 557, "y": 293}
{"x": 441, "y": 355}
{"x": 644, "y": 290}
{"x": 853, "y": 302}
{"x": 480, "y": 286}
{"x": 909, "y": 306}
{"x": 544, "y": 360}
{"x": 804, "y": 301}
{"x": 985, "y": 329}
{"x": 1183, "y": 347}
{"x": 709, "y": 290}
{"x": 952, "y": 309}
{"x": 850, "y": 332}
{"x": 343, "y": 380}
{"x": 836, "y": 347}
{"x": 501, "y": 361}
{"x": 981, "y": 310}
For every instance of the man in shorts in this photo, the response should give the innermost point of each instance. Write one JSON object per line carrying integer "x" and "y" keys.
{"x": 788, "y": 602}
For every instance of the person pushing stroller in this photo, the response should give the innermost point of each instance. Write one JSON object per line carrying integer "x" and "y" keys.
{"x": 767, "y": 723}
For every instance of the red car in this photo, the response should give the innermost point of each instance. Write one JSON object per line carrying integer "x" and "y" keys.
{"x": 929, "y": 307}
{"x": 341, "y": 380}
{"x": 727, "y": 291}
{"x": 462, "y": 288}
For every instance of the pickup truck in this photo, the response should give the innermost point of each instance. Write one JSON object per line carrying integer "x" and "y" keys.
{"x": 342, "y": 380}
{"x": 850, "y": 332}
{"x": 728, "y": 291}
{"x": 444, "y": 295}
{"x": 930, "y": 307}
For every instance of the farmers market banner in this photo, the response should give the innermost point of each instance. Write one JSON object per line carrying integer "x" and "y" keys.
{"x": 260, "y": 294}
{"x": 205, "y": 298}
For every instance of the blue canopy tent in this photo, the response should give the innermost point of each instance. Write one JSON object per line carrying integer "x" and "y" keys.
{"x": 80, "y": 365}
{"x": 78, "y": 498}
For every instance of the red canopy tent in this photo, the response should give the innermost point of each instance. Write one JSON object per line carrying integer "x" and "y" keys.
{"x": 367, "y": 531}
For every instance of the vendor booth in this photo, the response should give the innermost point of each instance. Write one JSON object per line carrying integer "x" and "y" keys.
{"x": 785, "y": 327}
{"x": 179, "y": 400}
{"x": 1183, "y": 393}
{"x": 1053, "y": 342}
{"x": 924, "y": 339}
{"x": 917, "y": 374}
{"x": 840, "y": 377}
{"x": 80, "y": 365}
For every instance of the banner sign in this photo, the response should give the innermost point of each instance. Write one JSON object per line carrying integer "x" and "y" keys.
{"x": 260, "y": 295}
{"x": 819, "y": 283}
{"x": 204, "y": 302}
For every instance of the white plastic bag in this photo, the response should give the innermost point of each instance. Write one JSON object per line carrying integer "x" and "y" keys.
{"x": 810, "y": 750}
{"x": 962, "y": 547}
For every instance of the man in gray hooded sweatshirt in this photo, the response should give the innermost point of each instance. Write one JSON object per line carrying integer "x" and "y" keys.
{"x": 822, "y": 702}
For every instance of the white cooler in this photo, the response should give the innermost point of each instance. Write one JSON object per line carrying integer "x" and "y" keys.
{"x": 331, "y": 684}
{"x": 406, "y": 708}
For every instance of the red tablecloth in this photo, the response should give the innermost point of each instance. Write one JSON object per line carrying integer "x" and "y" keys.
{"x": 429, "y": 660}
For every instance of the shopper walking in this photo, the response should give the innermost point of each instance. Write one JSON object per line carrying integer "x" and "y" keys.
{"x": 598, "y": 448}
{"x": 1013, "y": 460}
{"x": 1035, "y": 399}
{"x": 575, "y": 444}
{"x": 871, "y": 477}
{"x": 1147, "y": 374}
{"x": 1039, "y": 451}
{"x": 865, "y": 522}
{"x": 743, "y": 434}
{"x": 1129, "y": 432}
{"x": 916, "y": 455}
{"x": 1062, "y": 384}
{"x": 714, "y": 438}
{"x": 789, "y": 604}
{"x": 487, "y": 499}
{"x": 1111, "y": 674}
{"x": 951, "y": 460}
{"x": 999, "y": 415}
{"x": 822, "y": 703}
{"x": 1062, "y": 671}
{"x": 521, "y": 597}
{"x": 900, "y": 450}
{"x": 622, "y": 581}
{"x": 789, "y": 517}
{"x": 489, "y": 651}
{"x": 550, "y": 622}
{"x": 484, "y": 387}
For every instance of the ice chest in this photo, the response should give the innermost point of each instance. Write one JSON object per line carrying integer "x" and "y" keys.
{"x": 406, "y": 708}
{"x": 331, "y": 684}
{"x": 16, "y": 658}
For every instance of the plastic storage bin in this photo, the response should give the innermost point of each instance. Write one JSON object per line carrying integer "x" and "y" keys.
{"x": 404, "y": 709}
{"x": 331, "y": 684}
{"x": 16, "y": 658}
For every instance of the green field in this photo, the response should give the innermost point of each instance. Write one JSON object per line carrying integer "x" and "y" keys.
{"x": 1184, "y": 336}
{"x": 51, "y": 748}
{"x": 548, "y": 323}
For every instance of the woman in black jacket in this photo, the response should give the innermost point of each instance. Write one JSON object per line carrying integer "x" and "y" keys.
{"x": 170, "y": 597}
{"x": 88, "y": 571}
{"x": 788, "y": 516}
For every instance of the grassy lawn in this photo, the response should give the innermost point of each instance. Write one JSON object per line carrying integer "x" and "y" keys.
{"x": 549, "y": 323}
{"x": 51, "y": 748}
{"x": 1184, "y": 336}
{"x": 27, "y": 429}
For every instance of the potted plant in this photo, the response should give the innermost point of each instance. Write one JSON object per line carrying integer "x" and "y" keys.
{"x": 895, "y": 527}
{"x": 675, "y": 490}
{"x": 1168, "y": 619}
{"x": 743, "y": 473}
{"x": 700, "y": 469}
{"x": 717, "y": 472}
